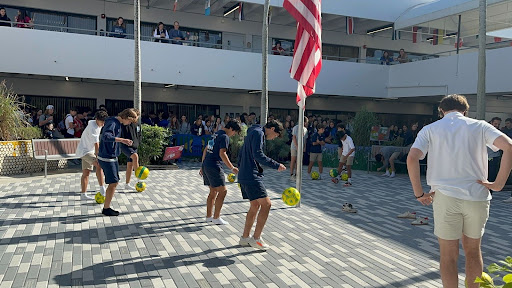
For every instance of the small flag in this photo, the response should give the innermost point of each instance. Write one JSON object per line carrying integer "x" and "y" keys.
{"x": 415, "y": 34}
{"x": 241, "y": 12}
{"x": 175, "y": 5}
{"x": 349, "y": 23}
{"x": 435, "y": 38}
{"x": 396, "y": 34}
{"x": 207, "y": 8}
{"x": 461, "y": 42}
{"x": 497, "y": 39}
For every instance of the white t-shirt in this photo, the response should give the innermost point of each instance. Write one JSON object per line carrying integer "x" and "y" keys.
{"x": 457, "y": 155}
{"x": 348, "y": 144}
{"x": 90, "y": 136}
{"x": 295, "y": 131}
{"x": 68, "y": 122}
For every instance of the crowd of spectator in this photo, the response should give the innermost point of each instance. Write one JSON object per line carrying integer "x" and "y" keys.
{"x": 70, "y": 125}
{"x": 160, "y": 34}
{"x": 386, "y": 59}
{"x": 22, "y": 19}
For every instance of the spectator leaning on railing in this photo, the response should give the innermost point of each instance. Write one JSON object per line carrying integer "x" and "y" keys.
{"x": 160, "y": 33}
{"x": 184, "y": 126}
{"x": 119, "y": 28}
{"x": 23, "y": 20}
{"x": 176, "y": 34}
{"x": 3, "y": 17}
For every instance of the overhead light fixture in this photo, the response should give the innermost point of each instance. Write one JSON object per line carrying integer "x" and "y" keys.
{"x": 169, "y": 85}
{"x": 379, "y": 29}
{"x": 231, "y": 10}
{"x": 67, "y": 78}
{"x": 255, "y": 92}
{"x": 450, "y": 35}
{"x": 506, "y": 95}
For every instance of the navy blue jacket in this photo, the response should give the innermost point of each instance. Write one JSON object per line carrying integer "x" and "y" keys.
{"x": 109, "y": 148}
{"x": 251, "y": 156}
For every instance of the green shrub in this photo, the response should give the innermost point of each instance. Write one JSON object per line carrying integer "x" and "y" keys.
{"x": 362, "y": 126}
{"x": 153, "y": 142}
{"x": 278, "y": 149}
{"x": 496, "y": 271}
{"x": 235, "y": 145}
{"x": 13, "y": 121}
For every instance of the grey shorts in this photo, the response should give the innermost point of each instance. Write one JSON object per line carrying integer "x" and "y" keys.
{"x": 213, "y": 176}
{"x": 255, "y": 190}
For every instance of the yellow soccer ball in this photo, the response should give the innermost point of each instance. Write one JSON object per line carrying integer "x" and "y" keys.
{"x": 100, "y": 199}
{"x": 333, "y": 173}
{"x": 315, "y": 175}
{"x": 291, "y": 196}
{"x": 344, "y": 176}
{"x": 140, "y": 186}
{"x": 142, "y": 172}
{"x": 231, "y": 178}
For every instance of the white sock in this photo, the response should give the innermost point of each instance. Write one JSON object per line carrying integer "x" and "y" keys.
{"x": 349, "y": 180}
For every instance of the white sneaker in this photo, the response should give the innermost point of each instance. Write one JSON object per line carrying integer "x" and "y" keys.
{"x": 407, "y": 215}
{"x": 292, "y": 177}
{"x": 103, "y": 191}
{"x": 209, "y": 219}
{"x": 84, "y": 196}
{"x": 392, "y": 175}
{"x": 129, "y": 187}
{"x": 386, "y": 174}
{"x": 509, "y": 200}
{"x": 347, "y": 207}
{"x": 219, "y": 221}
{"x": 245, "y": 241}
{"x": 420, "y": 221}
{"x": 259, "y": 244}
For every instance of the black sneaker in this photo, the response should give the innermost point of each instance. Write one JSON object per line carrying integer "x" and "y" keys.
{"x": 110, "y": 212}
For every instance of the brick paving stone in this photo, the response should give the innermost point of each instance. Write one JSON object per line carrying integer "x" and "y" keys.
{"x": 50, "y": 238}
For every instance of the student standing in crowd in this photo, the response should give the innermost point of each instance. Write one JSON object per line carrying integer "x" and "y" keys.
{"x": 69, "y": 122}
{"x": 109, "y": 151}
{"x": 213, "y": 155}
{"x": 294, "y": 148}
{"x": 160, "y": 34}
{"x": 176, "y": 34}
{"x": 88, "y": 150}
{"x": 184, "y": 126}
{"x": 250, "y": 177}
{"x": 317, "y": 141}
{"x": 23, "y": 20}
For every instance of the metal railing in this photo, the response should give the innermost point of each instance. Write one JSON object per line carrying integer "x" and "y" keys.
{"x": 194, "y": 43}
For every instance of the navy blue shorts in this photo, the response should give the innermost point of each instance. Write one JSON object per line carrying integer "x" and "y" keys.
{"x": 110, "y": 170}
{"x": 128, "y": 151}
{"x": 253, "y": 191}
{"x": 213, "y": 176}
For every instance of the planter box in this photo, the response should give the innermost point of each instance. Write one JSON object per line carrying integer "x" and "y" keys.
{"x": 16, "y": 158}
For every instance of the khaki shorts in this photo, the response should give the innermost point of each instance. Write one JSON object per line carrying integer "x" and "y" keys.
{"x": 293, "y": 152}
{"x": 348, "y": 160}
{"x": 88, "y": 161}
{"x": 313, "y": 157}
{"x": 454, "y": 217}
{"x": 340, "y": 152}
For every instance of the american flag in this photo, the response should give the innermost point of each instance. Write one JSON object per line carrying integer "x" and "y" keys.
{"x": 307, "y": 57}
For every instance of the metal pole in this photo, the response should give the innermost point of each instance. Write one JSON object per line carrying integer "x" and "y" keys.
{"x": 264, "y": 63}
{"x": 137, "y": 95}
{"x": 480, "y": 97}
{"x": 300, "y": 148}
{"x": 458, "y": 34}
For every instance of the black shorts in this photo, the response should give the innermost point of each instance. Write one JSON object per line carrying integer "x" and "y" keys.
{"x": 128, "y": 151}
{"x": 213, "y": 176}
{"x": 110, "y": 170}
{"x": 253, "y": 191}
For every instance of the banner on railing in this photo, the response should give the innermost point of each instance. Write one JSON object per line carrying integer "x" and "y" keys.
{"x": 192, "y": 145}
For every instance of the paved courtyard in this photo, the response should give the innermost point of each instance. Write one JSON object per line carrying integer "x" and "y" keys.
{"x": 49, "y": 238}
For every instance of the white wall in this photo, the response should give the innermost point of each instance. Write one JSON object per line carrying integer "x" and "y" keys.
{"x": 453, "y": 74}
{"x": 84, "y": 56}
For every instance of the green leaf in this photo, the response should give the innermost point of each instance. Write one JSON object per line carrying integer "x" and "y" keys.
{"x": 508, "y": 285}
{"x": 495, "y": 268}
{"x": 509, "y": 260}
{"x": 479, "y": 280}
{"x": 507, "y": 278}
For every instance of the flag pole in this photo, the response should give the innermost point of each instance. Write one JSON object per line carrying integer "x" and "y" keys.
{"x": 137, "y": 94}
{"x": 300, "y": 145}
{"x": 264, "y": 64}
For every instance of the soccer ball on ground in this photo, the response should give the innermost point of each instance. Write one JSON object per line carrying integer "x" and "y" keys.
{"x": 344, "y": 176}
{"x": 100, "y": 199}
{"x": 291, "y": 196}
{"x": 140, "y": 186}
{"x": 142, "y": 172}
{"x": 333, "y": 173}
{"x": 315, "y": 175}
{"x": 231, "y": 178}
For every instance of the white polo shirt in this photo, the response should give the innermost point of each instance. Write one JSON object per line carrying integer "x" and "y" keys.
{"x": 348, "y": 144}
{"x": 457, "y": 155}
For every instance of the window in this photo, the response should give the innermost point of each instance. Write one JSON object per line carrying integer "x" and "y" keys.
{"x": 339, "y": 52}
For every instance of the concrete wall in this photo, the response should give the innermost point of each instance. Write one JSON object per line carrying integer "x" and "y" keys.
{"x": 16, "y": 158}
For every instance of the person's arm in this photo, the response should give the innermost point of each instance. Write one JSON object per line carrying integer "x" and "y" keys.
{"x": 258, "y": 152}
{"x": 224, "y": 156}
{"x": 155, "y": 34}
{"x": 413, "y": 168}
{"x": 503, "y": 143}
{"x": 96, "y": 148}
{"x": 351, "y": 146}
{"x": 166, "y": 34}
{"x": 108, "y": 136}
{"x": 294, "y": 139}
{"x": 351, "y": 151}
